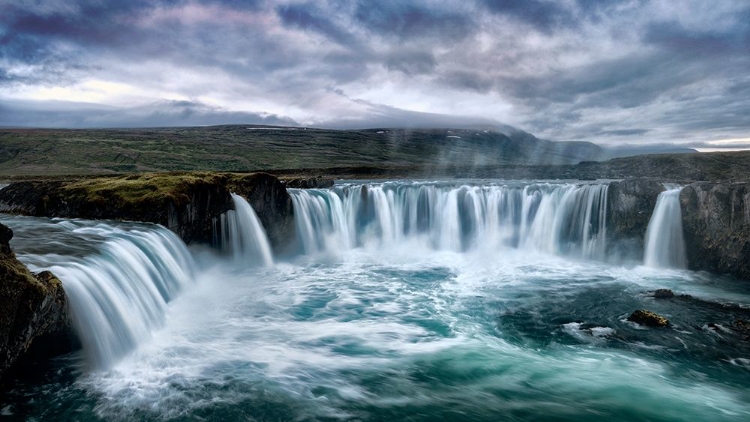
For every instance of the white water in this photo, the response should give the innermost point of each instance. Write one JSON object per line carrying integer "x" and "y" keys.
{"x": 118, "y": 296}
{"x": 556, "y": 218}
{"x": 402, "y": 322}
{"x": 665, "y": 246}
{"x": 243, "y": 236}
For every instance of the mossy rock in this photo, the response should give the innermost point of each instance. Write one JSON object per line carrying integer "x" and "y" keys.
{"x": 648, "y": 318}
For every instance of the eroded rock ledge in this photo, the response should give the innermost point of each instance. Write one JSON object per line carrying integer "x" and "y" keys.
{"x": 33, "y": 309}
{"x": 716, "y": 225}
{"x": 189, "y": 204}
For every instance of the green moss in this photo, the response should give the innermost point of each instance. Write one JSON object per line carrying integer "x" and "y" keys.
{"x": 140, "y": 188}
{"x": 648, "y": 318}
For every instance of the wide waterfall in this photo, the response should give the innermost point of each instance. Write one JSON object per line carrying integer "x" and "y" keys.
{"x": 665, "y": 246}
{"x": 119, "y": 295}
{"x": 243, "y": 235}
{"x": 566, "y": 219}
{"x": 415, "y": 300}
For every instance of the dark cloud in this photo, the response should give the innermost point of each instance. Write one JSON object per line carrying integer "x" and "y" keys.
{"x": 308, "y": 16}
{"x": 405, "y": 20}
{"x": 542, "y": 14}
{"x": 158, "y": 114}
{"x": 597, "y": 70}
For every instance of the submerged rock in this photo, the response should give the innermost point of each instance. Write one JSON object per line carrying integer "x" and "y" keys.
{"x": 648, "y": 318}
{"x": 33, "y": 309}
{"x": 663, "y": 294}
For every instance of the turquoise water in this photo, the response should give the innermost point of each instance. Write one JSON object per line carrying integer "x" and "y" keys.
{"x": 405, "y": 332}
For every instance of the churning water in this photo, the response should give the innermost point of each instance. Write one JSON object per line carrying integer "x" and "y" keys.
{"x": 515, "y": 315}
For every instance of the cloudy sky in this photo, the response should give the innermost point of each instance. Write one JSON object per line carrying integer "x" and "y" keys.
{"x": 606, "y": 71}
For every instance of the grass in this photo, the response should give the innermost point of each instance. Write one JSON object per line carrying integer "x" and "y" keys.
{"x": 140, "y": 188}
{"x": 246, "y": 148}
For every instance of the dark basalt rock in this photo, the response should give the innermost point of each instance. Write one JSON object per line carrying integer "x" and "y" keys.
{"x": 185, "y": 204}
{"x": 272, "y": 203}
{"x": 309, "y": 183}
{"x": 33, "y": 309}
{"x": 630, "y": 204}
{"x": 648, "y": 318}
{"x": 189, "y": 204}
{"x": 663, "y": 294}
{"x": 716, "y": 226}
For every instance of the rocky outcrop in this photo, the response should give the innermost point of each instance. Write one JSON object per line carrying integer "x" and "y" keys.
{"x": 309, "y": 183}
{"x": 716, "y": 227}
{"x": 630, "y": 204}
{"x": 186, "y": 204}
{"x": 648, "y": 318}
{"x": 271, "y": 202}
{"x": 189, "y": 204}
{"x": 33, "y": 309}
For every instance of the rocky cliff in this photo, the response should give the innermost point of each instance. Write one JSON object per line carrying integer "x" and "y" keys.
{"x": 271, "y": 202}
{"x": 186, "y": 203}
{"x": 630, "y": 204}
{"x": 716, "y": 226}
{"x": 33, "y": 309}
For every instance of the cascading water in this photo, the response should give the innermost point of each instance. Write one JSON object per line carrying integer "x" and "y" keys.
{"x": 665, "y": 246}
{"x": 243, "y": 235}
{"x": 390, "y": 323}
{"x": 556, "y": 218}
{"x": 119, "y": 296}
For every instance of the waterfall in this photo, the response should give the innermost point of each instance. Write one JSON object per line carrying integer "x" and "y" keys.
{"x": 118, "y": 296}
{"x": 665, "y": 246}
{"x": 243, "y": 235}
{"x": 556, "y": 218}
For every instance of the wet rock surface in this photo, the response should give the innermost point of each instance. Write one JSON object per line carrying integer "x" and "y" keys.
{"x": 648, "y": 318}
{"x": 309, "y": 183}
{"x": 716, "y": 226}
{"x": 272, "y": 203}
{"x": 663, "y": 294}
{"x": 33, "y": 310}
{"x": 189, "y": 204}
{"x": 630, "y": 204}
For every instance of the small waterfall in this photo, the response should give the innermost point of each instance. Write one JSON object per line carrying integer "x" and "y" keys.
{"x": 557, "y": 218}
{"x": 119, "y": 296}
{"x": 243, "y": 235}
{"x": 665, "y": 246}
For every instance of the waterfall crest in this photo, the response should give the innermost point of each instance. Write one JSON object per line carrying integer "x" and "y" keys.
{"x": 243, "y": 235}
{"x": 556, "y": 218}
{"x": 119, "y": 296}
{"x": 665, "y": 246}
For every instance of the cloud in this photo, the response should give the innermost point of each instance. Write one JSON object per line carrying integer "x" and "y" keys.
{"x": 614, "y": 71}
{"x": 159, "y": 114}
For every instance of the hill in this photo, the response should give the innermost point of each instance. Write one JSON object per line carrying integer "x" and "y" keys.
{"x": 245, "y": 148}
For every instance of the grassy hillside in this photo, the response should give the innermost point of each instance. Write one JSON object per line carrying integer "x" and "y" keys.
{"x": 247, "y": 148}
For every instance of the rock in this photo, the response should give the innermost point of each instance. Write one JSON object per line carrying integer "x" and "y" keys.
{"x": 630, "y": 204}
{"x": 648, "y": 318}
{"x": 33, "y": 309}
{"x": 716, "y": 227}
{"x": 189, "y": 204}
{"x": 663, "y": 294}
{"x": 742, "y": 326}
{"x": 272, "y": 203}
{"x": 185, "y": 203}
{"x": 309, "y": 183}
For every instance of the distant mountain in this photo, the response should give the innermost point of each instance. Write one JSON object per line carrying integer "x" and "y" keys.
{"x": 253, "y": 147}
{"x": 631, "y": 150}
